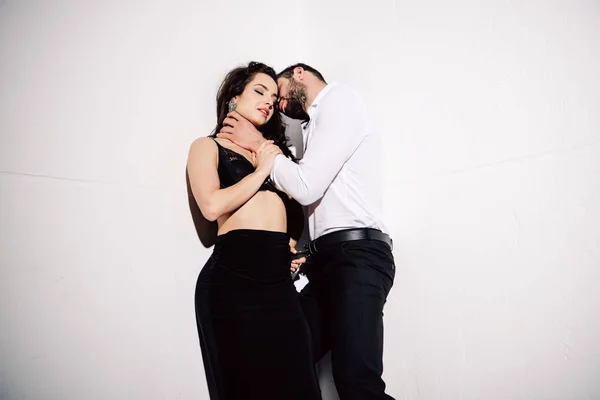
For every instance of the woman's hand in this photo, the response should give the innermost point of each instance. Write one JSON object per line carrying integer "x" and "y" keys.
{"x": 296, "y": 263}
{"x": 265, "y": 156}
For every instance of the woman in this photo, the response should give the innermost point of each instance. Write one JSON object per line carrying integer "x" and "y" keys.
{"x": 254, "y": 338}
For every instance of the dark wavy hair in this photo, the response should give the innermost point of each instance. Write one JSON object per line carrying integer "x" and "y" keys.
{"x": 233, "y": 85}
{"x": 289, "y": 71}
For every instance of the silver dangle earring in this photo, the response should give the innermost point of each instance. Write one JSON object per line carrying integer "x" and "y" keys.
{"x": 231, "y": 105}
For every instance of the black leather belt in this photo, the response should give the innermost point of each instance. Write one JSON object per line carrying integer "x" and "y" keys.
{"x": 346, "y": 235}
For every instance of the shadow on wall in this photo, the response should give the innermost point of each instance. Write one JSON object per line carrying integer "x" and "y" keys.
{"x": 206, "y": 230}
{"x": 294, "y": 134}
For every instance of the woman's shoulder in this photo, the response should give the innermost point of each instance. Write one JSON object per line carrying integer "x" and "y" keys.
{"x": 203, "y": 145}
{"x": 204, "y": 141}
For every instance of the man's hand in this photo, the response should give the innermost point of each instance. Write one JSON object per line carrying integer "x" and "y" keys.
{"x": 297, "y": 262}
{"x": 241, "y": 132}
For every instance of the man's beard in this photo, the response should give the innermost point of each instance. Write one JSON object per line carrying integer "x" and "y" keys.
{"x": 296, "y": 101}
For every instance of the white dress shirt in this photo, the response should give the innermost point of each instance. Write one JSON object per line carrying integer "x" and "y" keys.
{"x": 339, "y": 176}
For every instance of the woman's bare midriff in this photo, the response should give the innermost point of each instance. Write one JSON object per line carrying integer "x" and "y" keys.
{"x": 264, "y": 211}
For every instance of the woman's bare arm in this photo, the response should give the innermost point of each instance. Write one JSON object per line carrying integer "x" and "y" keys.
{"x": 213, "y": 201}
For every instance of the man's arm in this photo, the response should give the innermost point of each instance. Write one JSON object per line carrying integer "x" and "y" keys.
{"x": 341, "y": 127}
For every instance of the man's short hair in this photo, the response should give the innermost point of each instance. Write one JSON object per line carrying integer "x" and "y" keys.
{"x": 289, "y": 71}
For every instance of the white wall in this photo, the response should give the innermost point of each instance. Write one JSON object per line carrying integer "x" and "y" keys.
{"x": 491, "y": 123}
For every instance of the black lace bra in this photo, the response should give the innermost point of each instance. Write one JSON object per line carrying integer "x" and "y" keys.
{"x": 233, "y": 167}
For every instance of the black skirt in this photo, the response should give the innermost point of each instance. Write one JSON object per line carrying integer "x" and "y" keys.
{"x": 254, "y": 337}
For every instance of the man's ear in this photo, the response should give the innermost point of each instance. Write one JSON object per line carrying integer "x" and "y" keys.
{"x": 299, "y": 73}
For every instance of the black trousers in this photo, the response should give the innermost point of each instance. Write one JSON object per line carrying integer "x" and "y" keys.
{"x": 343, "y": 302}
{"x": 254, "y": 337}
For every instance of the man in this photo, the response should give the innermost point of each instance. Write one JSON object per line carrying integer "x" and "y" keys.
{"x": 352, "y": 266}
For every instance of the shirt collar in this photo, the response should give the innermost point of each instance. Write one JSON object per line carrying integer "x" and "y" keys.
{"x": 315, "y": 104}
{"x": 320, "y": 96}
